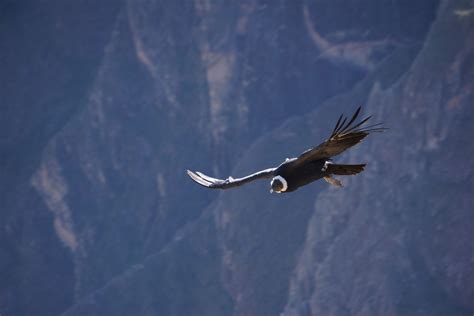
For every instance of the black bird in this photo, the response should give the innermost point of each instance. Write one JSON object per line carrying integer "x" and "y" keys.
{"x": 311, "y": 165}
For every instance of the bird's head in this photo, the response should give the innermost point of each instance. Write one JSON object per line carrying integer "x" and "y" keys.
{"x": 278, "y": 184}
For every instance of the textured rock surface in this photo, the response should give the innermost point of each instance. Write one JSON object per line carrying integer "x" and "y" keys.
{"x": 105, "y": 106}
{"x": 399, "y": 243}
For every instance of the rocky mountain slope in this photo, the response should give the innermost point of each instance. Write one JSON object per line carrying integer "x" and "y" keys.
{"x": 105, "y": 107}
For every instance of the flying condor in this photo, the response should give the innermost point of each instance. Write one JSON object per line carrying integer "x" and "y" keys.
{"x": 313, "y": 164}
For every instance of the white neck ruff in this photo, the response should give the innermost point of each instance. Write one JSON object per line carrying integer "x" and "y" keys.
{"x": 283, "y": 181}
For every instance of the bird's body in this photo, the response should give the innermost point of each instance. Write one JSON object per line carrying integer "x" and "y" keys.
{"x": 299, "y": 176}
{"x": 311, "y": 165}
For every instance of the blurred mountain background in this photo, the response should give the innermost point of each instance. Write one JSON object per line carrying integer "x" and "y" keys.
{"x": 105, "y": 104}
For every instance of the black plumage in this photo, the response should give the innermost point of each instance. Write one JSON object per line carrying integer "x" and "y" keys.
{"x": 313, "y": 164}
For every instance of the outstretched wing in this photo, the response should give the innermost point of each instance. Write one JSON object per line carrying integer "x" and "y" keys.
{"x": 344, "y": 136}
{"x": 230, "y": 182}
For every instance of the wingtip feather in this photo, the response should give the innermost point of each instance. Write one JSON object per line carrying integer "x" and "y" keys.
{"x": 196, "y": 178}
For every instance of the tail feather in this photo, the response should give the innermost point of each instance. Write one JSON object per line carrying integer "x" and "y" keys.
{"x": 345, "y": 170}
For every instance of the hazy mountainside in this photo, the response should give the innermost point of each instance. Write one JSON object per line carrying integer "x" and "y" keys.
{"x": 105, "y": 106}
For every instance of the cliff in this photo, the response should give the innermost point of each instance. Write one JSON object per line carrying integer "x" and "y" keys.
{"x": 107, "y": 105}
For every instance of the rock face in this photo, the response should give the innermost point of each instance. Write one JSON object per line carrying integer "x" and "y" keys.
{"x": 104, "y": 106}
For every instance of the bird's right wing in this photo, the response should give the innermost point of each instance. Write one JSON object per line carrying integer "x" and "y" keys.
{"x": 343, "y": 136}
{"x": 230, "y": 182}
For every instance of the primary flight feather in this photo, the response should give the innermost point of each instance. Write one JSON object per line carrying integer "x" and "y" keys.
{"x": 313, "y": 164}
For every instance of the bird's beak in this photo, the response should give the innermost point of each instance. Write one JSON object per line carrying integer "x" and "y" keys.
{"x": 271, "y": 190}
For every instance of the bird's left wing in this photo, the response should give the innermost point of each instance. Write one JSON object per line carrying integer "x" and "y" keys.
{"x": 230, "y": 182}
